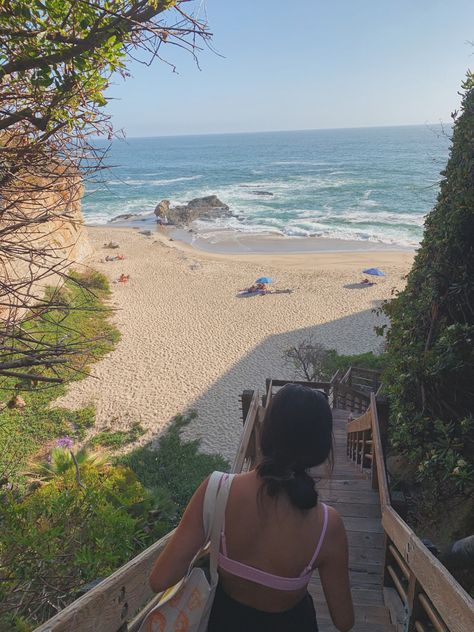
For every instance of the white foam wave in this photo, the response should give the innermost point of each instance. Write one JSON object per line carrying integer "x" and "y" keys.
{"x": 145, "y": 182}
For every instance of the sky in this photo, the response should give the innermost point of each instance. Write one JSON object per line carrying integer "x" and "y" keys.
{"x": 305, "y": 64}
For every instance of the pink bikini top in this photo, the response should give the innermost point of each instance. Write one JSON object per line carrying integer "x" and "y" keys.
{"x": 267, "y": 579}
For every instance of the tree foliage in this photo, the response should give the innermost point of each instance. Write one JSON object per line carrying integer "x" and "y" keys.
{"x": 56, "y": 61}
{"x": 430, "y": 344}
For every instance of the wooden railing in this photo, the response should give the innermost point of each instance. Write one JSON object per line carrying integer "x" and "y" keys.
{"x": 364, "y": 380}
{"x": 121, "y": 601}
{"x": 431, "y": 597}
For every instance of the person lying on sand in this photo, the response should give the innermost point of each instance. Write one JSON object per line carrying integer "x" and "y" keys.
{"x": 256, "y": 287}
{"x": 367, "y": 282}
{"x": 123, "y": 278}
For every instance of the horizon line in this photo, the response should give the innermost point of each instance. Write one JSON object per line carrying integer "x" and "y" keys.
{"x": 282, "y": 131}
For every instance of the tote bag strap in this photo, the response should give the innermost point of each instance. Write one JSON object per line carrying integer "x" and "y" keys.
{"x": 214, "y": 486}
{"x": 217, "y": 521}
{"x": 210, "y": 502}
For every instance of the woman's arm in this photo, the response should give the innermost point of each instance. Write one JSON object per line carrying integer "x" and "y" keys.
{"x": 334, "y": 574}
{"x": 173, "y": 562}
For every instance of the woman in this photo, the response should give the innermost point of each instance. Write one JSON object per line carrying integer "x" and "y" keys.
{"x": 275, "y": 533}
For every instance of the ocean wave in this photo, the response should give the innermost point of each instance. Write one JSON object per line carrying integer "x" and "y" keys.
{"x": 153, "y": 183}
{"x": 390, "y": 235}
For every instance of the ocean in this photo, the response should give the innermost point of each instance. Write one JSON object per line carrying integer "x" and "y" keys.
{"x": 365, "y": 184}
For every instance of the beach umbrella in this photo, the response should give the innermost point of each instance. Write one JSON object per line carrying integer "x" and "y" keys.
{"x": 374, "y": 272}
{"x": 264, "y": 280}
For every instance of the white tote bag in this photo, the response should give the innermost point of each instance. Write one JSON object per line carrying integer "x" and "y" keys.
{"x": 186, "y": 606}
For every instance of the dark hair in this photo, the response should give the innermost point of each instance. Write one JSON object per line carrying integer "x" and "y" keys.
{"x": 296, "y": 435}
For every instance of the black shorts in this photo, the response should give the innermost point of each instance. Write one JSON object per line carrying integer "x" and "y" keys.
{"x": 228, "y": 615}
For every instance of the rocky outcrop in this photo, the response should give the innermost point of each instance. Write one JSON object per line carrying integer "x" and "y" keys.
{"x": 208, "y": 207}
{"x": 162, "y": 209}
{"x": 46, "y": 223}
{"x": 126, "y": 217}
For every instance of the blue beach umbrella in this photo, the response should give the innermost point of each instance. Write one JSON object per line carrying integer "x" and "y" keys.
{"x": 374, "y": 272}
{"x": 264, "y": 280}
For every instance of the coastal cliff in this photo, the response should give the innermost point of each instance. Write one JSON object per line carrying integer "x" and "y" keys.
{"x": 44, "y": 234}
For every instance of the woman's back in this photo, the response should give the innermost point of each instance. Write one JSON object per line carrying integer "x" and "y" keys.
{"x": 276, "y": 529}
{"x": 270, "y": 535}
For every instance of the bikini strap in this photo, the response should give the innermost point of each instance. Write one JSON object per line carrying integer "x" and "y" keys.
{"x": 223, "y": 539}
{"x": 309, "y": 568}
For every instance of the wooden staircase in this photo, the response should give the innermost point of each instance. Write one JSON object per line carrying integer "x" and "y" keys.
{"x": 349, "y": 490}
{"x": 386, "y": 557}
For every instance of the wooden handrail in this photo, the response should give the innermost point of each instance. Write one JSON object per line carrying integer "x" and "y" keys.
{"x": 118, "y": 603}
{"x": 450, "y": 606}
{"x": 323, "y": 386}
{"x": 247, "y": 434}
{"x": 114, "y": 601}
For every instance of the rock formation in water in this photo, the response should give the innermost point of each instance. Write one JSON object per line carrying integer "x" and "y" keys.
{"x": 208, "y": 207}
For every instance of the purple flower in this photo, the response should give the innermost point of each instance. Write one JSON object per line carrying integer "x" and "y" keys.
{"x": 64, "y": 442}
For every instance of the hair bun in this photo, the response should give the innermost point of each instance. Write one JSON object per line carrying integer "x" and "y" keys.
{"x": 301, "y": 490}
{"x": 298, "y": 484}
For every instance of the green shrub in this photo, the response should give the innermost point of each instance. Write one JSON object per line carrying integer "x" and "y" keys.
{"x": 92, "y": 280}
{"x": 313, "y": 362}
{"x": 71, "y": 527}
{"x": 23, "y": 432}
{"x": 176, "y": 468}
{"x": 430, "y": 350}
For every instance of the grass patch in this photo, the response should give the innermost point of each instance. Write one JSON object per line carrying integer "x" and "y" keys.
{"x": 80, "y": 314}
{"x": 176, "y": 468}
{"x": 117, "y": 439}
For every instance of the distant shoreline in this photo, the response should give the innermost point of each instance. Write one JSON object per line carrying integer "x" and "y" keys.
{"x": 228, "y": 242}
{"x": 191, "y": 339}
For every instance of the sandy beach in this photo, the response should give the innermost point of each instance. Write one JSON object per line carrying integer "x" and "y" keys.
{"x": 189, "y": 341}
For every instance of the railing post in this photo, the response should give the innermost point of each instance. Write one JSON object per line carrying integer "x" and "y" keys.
{"x": 362, "y": 452}
{"x": 383, "y": 415}
{"x": 374, "y": 474}
{"x": 246, "y": 398}
{"x": 415, "y": 611}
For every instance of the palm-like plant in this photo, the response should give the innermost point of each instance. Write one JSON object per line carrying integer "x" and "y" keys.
{"x": 61, "y": 459}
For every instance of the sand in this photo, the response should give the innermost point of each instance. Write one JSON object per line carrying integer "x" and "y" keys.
{"x": 190, "y": 342}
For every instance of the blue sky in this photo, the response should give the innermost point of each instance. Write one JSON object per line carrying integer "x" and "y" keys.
{"x": 306, "y": 64}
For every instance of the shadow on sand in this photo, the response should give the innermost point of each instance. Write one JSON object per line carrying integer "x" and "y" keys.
{"x": 219, "y": 423}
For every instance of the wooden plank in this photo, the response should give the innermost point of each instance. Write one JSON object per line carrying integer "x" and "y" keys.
{"x": 357, "y": 509}
{"x": 379, "y": 458}
{"x": 454, "y": 605}
{"x": 364, "y": 422}
{"x": 112, "y": 602}
{"x": 246, "y": 434}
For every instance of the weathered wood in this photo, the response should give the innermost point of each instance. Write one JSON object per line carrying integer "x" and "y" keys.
{"x": 368, "y": 516}
{"x": 246, "y": 399}
{"x": 112, "y": 602}
{"x": 246, "y": 434}
{"x": 454, "y": 605}
{"x": 381, "y": 473}
{"x": 397, "y": 583}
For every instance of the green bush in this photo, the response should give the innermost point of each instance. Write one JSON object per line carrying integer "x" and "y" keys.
{"x": 176, "y": 468}
{"x": 313, "y": 362}
{"x": 71, "y": 527}
{"x": 24, "y": 432}
{"x": 430, "y": 350}
{"x": 92, "y": 280}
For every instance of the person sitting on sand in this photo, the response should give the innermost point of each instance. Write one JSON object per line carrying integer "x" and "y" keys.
{"x": 123, "y": 278}
{"x": 261, "y": 288}
{"x": 277, "y": 532}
